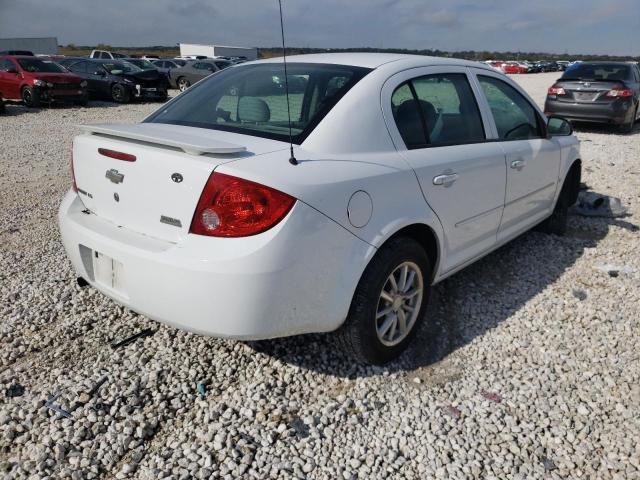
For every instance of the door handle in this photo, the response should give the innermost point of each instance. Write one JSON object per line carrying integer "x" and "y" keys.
{"x": 445, "y": 179}
{"x": 518, "y": 164}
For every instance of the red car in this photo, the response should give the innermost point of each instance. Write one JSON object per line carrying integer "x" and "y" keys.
{"x": 513, "y": 67}
{"x": 35, "y": 80}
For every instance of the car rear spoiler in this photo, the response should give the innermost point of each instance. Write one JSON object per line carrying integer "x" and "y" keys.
{"x": 192, "y": 140}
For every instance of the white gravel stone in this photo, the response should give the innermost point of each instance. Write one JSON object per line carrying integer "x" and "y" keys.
{"x": 562, "y": 368}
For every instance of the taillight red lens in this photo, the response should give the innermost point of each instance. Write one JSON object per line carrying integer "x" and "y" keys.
{"x": 555, "y": 90}
{"x": 73, "y": 173}
{"x": 127, "y": 157}
{"x": 620, "y": 92}
{"x": 234, "y": 207}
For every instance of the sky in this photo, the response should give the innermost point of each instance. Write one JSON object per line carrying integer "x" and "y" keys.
{"x": 556, "y": 26}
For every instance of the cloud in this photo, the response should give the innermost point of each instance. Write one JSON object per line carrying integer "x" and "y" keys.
{"x": 588, "y": 26}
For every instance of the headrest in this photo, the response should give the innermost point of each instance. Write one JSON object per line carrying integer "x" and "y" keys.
{"x": 253, "y": 110}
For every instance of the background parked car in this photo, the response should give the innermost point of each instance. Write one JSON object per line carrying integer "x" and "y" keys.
{"x": 603, "y": 92}
{"x": 118, "y": 80}
{"x": 514, "y": 67}
{"x": 184, "y": 77}
{"x": 545, "y": 66}
{"x": 34, "y": 80}
{"x": 164, "y": 66}
{"x": 562, "y": 65}
{"x": 104, "y": 54}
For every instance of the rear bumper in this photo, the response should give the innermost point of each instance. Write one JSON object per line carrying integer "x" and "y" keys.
{"x": 617, "y": 112}
{"x": 298, "y": 277}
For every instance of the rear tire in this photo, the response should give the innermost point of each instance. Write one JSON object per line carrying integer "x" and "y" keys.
{"x": 627, "y": 127}
{"x": 363, "y": 333}
{"x": 30, "y": 97}
{"x": 1, "y": 104}
{"x": 119, "y": 93}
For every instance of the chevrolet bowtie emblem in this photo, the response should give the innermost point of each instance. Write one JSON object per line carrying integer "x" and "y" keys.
{"x": 114, "y": 175}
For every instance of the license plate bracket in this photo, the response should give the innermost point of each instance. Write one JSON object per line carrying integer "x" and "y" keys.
{"x": 108, "y": 272}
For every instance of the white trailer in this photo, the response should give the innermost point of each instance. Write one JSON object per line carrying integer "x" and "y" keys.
{"x": 39, "y": 46}
{"x": 194, "y": 49}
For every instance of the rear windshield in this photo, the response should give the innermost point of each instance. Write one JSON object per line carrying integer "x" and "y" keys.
{"x": 251, "y": 99}
{"x": 598, "y": 71}
{"x": 40, "y": 66}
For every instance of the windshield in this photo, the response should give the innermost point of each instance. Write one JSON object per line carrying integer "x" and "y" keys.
{"x": 598, "y": 71}
{"x": 143, "y": 64}
{"x": 35, "y": 65}
{"x": 126, "y": 67}
{"x": 251, "y": 99}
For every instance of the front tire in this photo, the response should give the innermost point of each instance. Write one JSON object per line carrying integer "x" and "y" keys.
{"x": 389, "y": 303}
{"x": 119, "y": 93}
{"x": 30, "y": 97}
{"x": 183, "y": 84}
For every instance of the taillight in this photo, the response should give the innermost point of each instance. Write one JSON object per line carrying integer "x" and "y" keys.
{"x": 234, "y": 207}
{"x": 620, "y": 92}
{"x": 556, "y": 90}
{"x": 127, "y": 157}
{"x": 73, "y": 173}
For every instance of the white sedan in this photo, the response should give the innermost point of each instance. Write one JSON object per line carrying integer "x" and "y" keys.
{"x": 406, "y": 169}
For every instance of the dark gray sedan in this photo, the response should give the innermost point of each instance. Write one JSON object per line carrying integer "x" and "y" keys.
{"x": 184, "y": 77}
{"x": 600, "y": 92}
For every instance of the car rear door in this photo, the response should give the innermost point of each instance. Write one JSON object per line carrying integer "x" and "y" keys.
{"x": 438, "y": 127}
{"x": 9, "y": 82}
{"x": 533, "y": 159}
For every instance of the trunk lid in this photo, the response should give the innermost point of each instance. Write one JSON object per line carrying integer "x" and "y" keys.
{"x": 585, "y": 91}
{"x": 157, "y": 193}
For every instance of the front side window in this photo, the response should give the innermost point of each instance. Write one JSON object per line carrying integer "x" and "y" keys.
{"x": 80, "y": 67}
{"x": 252, "y": 99}
{"x": 35, "y": 65}
{"x": 515, "y": 117}
{"x": 437, "y": 110}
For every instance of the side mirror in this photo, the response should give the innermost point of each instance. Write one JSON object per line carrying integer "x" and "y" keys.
{"x": 559, "y": 127}
{"x": 12, "y": 70}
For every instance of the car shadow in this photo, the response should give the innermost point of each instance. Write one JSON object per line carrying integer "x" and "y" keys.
{"x": 499, "y": 285}
{"x": 585, "y": 127}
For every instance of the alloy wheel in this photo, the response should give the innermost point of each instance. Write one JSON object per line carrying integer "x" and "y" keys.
{"x": 399, "y": 303}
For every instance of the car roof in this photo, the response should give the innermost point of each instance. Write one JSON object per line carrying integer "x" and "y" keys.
{"x": 373, "y": 60}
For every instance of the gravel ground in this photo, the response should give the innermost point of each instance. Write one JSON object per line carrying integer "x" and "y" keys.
{"x": 530, "y": 369}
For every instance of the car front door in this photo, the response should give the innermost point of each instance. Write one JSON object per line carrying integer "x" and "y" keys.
{"x": 80, "y": 69}
{"x": 437, "y": 125}
{"x": 533, "y": 159}
{"x": 98, "y": 79}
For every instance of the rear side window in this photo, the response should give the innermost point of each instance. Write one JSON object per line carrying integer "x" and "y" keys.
{"x": 6, "y": 65}
{"x": 515, "y": 117}
{"x": 437, "y": 110}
